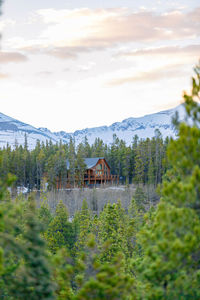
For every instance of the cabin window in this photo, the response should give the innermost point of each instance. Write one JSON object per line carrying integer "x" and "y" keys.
{"x": 99, "y": 167}
{"x": 99, "y": 172}
{"x": 106, "y": 170}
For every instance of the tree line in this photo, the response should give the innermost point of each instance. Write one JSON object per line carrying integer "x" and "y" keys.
{"x": 144, "y": 161}
{"x": 131, "y": 255}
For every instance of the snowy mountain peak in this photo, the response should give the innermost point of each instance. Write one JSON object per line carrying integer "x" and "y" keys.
{"x": 12, "y": 130}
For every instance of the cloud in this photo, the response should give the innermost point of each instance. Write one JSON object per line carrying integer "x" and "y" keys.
{"x": 86, "y": 67}
{"x": 68, "y": 33}
{"x": 169, "y": 71}
{"x": 6, "y": 23}
{"x": 193, "y": 50}
{"x": 9, "y": 57}
{"x": 44, "y": 73}
{"x": 3, "y": 76}
{"x": 63, "y": 52}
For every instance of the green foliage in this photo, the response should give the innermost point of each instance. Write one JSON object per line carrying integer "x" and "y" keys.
{"x": 169, "y": 268}
{"x": 9, "y": 230}
{"x": 112, "y": 230}
{"x": 63, "y": 272}
{"x": 140, "y": 196}
{"x": 144, "y": 162}
{"x": 80, "y": 165}
{"x": 110, "y": 282}
{"x": 25, "y": 271}
{"x": 170, "y": 247}
{"x": 145, "y": 253}
{"x": 44, "y": 213}
{"x": 135, "y": 223}
{"x": 33, "y": 277}
{"x": 83, "y": 221}
{"x": 60, "y": 231}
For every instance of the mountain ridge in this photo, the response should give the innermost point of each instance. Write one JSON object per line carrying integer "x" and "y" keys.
{"x": 12, "y": 131}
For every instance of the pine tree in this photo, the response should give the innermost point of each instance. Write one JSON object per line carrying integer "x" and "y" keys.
{"x": 32, "y": 275}
{"x": 110, "y": 282}
{"x": 44, "y": 213}
{"x": 63, "y": 272}
{"x": 60, "y": 231}
{"x": 87, "y": 148}
{"x": 72, "y": 158}
{"x": 83, "y": 218}
{"x": 10, "y": 250}
{"x": 98, "y": 148}
{"x": 139, "y": 165}
{"x": 60, "y": 166}
{"x": 80, "y": 165}
{"x": 171, "y": 242}
{"x": 140, "y": 197}
{"x": 112, "y": 230}
{"x": 135, "y": 223}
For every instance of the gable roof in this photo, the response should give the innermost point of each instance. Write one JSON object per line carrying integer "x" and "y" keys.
{"x": 89, "y": 162}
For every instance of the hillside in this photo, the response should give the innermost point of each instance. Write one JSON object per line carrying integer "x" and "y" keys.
{"x": 13, "y": 131}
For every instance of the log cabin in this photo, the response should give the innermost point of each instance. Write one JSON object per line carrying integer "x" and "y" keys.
{"x": 97, "y": 172}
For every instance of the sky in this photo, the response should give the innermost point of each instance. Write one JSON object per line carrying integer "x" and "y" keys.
{"x": 68, "y": 65}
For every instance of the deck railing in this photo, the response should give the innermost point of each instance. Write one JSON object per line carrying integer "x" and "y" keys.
{"x": 101, "y": 177}
{"x": 88, "y": 180}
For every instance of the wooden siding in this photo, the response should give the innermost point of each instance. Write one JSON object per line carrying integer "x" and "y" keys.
{"x": 94, "y": 176}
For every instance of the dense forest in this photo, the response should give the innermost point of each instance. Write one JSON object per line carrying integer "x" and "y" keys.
{"x": 118, "y": 254}
{"x": 142, "y": 162}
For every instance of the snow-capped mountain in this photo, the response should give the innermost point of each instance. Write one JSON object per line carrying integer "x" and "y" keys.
{"x": 143, "y": 127}
{"x": 13, "y": 131}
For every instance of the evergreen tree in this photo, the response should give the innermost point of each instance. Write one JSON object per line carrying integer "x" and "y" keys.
{"x": 139, "y": 165}
{"x": 140, "y": 197}
{"x": 63, "y": 274}
{"x": 112, "y": 230}
{"x": 84, "y": 220}
{"x": 33, "y": 278}
{"x": 170, "y": 265}
{"x": 44, "y": 213}
{"x": 135, "y": 223}
{"x": 110, "y": 282}
{"x": 10, "y": 250}
{"x": 72, "y": 158}
{"x": 87, "y": 148}
{"x": 60, "y": 231}
{"x": 80, "y": 165}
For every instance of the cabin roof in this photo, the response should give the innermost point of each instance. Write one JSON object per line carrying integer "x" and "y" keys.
{"x": 89, "y": 162}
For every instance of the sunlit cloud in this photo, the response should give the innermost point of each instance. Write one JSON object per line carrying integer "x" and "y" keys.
{"x": 71, "y": 32}
{"x": 63, "y": 52}
{"x": 4, "y": 76}
{"x": 86, "y": 67}
{"x": 44, "y": 73}
{"x": 165, "y": 72}
{"x": 191, "y": 50}
{"x": 9, "y": 57}
{"x": 6, "y": 23}
{"x": 65, "y": 59}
